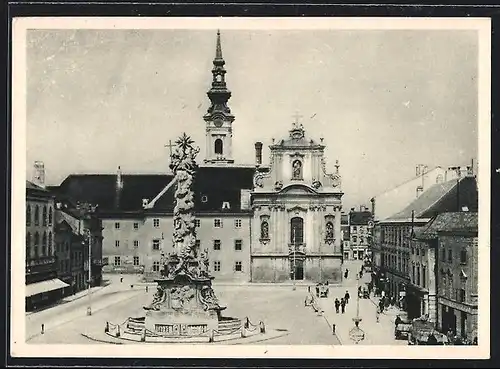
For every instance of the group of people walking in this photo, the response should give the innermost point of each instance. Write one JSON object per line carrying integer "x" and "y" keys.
{"x": 341, "y": 304}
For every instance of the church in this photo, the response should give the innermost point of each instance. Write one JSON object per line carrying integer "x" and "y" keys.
{"x": 259, "y": 223}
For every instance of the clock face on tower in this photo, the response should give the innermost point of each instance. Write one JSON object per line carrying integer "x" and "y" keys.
{"x": 218, "y": 122}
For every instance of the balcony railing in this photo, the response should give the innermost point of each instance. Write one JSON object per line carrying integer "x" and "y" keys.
{"x": 43, "y": 260}
{"x": 300, "y": 248}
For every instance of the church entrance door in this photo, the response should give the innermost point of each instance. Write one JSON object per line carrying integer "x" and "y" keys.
{"x": 297, "y": 268}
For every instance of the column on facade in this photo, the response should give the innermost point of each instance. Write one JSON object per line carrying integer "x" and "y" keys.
{"x": 274, "y": 227}
{"x": 281, "y": 229}
{"x": 337, "y": 233}
{"x": 309, "y": 230}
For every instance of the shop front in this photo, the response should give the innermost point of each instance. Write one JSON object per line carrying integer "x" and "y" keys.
{"x": 44, "y": 293}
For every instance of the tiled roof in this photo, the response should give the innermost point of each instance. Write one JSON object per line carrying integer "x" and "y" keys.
{"x": 456, "y": 221}
{"x": 213, "y": 184}
{"x": 360, "y": 217}
{"x": 443, "y": 197}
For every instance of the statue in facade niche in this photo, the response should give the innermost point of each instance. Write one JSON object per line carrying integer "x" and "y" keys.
{"x": 329, "y": 231}
{"x": 297, "y": 169}
{"x": 264, "y": 230}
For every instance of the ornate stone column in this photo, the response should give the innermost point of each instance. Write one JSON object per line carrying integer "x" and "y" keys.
{"x": 338, "y": 238}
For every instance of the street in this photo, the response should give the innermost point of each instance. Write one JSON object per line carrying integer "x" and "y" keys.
{"x": 279, "y": 307}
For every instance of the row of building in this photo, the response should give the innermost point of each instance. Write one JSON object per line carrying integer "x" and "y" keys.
{"x": 425, "y": 256}
{"x": 60, "y": 237}
{"x": 262, "y": 223}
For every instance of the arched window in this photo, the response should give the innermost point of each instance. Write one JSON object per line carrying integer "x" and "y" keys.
{"x": 329, "y": 231}
{"x": 37, "y": 243}
{"x": 37, "y": 215}
{"x": 28, "y": 245}
{"x": 50, "y": 243}
{"x": 297, "y": 169}
{"x": 50, "y": 216}
{"x": 264, "y": 230}
{"x": 44, "y": 244}
{"x": 297, "y": 231}
{"x": 28, "y": 215}
{"x": 218, "y": 146}
{"x": 44, "y": 216}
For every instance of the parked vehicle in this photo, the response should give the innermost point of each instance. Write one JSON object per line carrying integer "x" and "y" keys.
{"x": 422, "y": 332}
{"x": 402, "y": 327}
{"x": 322, "y": 290}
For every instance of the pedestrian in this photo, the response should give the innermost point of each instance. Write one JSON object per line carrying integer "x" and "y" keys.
{"x": 378, "y": 313}
{"x": 337, "y": 305}
{"x": 381, "y": 305}
{"x": 342, "y": 304}
{"x": 346, "y": 273}
{"x": 346, "y": 297}
{"x": 43, "y": 328}
{"x": 121, "y": 279}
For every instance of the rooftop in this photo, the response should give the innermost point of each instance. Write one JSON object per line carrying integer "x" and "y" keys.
{"x": 212, "y": 186}
{"x": 453, "y": 221}
{"x": 360, "y": 217}
{"x": 449, "y": 196}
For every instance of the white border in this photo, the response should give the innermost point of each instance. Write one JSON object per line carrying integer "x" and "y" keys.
{"x": 18, "y": 346}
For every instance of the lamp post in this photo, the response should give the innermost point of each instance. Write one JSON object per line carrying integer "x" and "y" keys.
{"x": 87, "y": 211}
{"x": 89, "y": 243}
{"x": 356, "y": 334}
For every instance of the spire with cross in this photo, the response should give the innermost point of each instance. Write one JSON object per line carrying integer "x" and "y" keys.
{"x": 296, "y": 117}
{"x": 170, "y": 145}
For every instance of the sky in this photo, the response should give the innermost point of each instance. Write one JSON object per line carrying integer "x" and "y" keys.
{"x": 384, "y": 100}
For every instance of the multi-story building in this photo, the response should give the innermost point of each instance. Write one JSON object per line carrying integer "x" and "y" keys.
{"x": 361, "y": 225}
{"x": 429, "y": 249}
{"x": 457, "y": 274}
{"x": 391, "y": 201}
{"x": 296, "y": 214}
{"x": 42, "y": 285}
{"x": 346, "y": 237}
{"x": 392, "y": 249}
{"x": 75, "y": 231}
{"x": 138, "y": 224}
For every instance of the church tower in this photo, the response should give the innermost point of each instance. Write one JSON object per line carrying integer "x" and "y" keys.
{"x": 219, "y": 120}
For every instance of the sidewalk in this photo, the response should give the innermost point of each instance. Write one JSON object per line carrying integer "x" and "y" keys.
{"x": 33, "y": 323}
{"x": 376, "y": 333}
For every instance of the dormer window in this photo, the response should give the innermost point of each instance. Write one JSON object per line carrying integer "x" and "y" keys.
{"x": 204, "y": 198}
{"x": 297, "y": 169}
{"x": 225, "y": 205}
{"x": 218, "y": 78}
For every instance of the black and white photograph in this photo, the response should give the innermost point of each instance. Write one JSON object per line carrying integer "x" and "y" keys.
{"x": 251, "y": 187}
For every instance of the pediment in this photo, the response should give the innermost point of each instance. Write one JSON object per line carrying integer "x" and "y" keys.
{"x": 297, "y": 189}
{"x": 297, "y": 209}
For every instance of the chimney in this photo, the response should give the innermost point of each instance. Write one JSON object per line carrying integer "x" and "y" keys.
{"x": 373, "y": 206}
{"x": 258, "y": 153}
{"x": 39, "y": 173}
{"x": 119, "y": 186}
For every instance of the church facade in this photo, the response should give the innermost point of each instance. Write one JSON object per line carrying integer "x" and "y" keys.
{"x": 258, "y": 223}
{"x": 296, "y": 222}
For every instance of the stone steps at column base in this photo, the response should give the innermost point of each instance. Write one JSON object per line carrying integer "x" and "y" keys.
{"x": 236, "y": 338}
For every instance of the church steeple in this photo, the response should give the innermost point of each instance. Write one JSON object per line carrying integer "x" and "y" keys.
{"x": 218, "y": 118}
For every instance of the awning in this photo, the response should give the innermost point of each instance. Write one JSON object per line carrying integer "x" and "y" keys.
{"x": 44, "y": 286}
